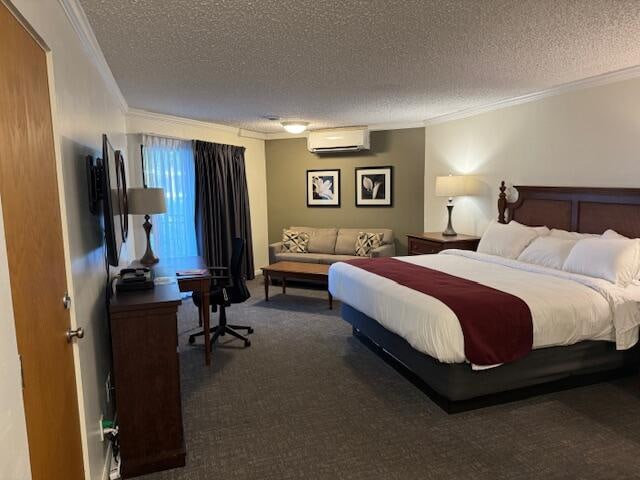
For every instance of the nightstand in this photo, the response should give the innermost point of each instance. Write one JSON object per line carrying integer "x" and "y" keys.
{"x": 434, "y": 242}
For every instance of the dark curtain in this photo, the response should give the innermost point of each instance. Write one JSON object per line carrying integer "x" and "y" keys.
{"x": 222, "y": 204}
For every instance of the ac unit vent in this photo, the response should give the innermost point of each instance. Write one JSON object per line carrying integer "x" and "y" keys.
{"x": 338, "y": 140}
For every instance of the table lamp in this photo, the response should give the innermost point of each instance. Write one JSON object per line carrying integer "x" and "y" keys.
{"x": 147, "y": 202}
{"x": 455, "y": 186}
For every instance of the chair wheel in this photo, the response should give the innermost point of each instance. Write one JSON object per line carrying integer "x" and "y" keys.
{"x": 250, "y": 331}
{"x": 247, "y": 343}
{"x": 192, "y": 340}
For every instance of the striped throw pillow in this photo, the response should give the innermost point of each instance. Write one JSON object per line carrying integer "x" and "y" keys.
{"x": 295, "y": 242}
{"x": 366, "y": 242}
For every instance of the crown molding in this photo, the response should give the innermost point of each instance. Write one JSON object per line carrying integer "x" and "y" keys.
{"x": 595, "y": 81}
{"x": 162, "y": 117}
{"x": 285, "y": 135}
{"x": 394, "y": 126}
{"x": 82, "y": 27}
{"x": 251, "y": 134}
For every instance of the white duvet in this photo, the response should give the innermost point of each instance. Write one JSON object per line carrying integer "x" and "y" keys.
{"x": 566, "y": 308}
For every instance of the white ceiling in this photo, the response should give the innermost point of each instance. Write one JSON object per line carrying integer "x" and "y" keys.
{"x": 353, "y": 62}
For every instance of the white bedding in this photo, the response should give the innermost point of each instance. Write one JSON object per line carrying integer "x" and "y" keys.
{"x": 566, "y": 308}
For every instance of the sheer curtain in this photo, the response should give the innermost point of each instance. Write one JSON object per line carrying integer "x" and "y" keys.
{"x": 169, "y": 163}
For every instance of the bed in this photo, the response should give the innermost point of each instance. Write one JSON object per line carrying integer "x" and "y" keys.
{"x": 577, "y": 338}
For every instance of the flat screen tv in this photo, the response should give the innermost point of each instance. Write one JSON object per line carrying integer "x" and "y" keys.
{"x": 111, "y": 187}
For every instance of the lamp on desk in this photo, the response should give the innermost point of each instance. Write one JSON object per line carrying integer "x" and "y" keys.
{"x": 455, "y": 186}
{"x": 147, "y": 202}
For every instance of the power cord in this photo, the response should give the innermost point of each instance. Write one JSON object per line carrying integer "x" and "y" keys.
{"x": 110, "y": 432}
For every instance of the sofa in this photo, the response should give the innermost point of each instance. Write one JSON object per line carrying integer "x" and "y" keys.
{"x": 330, "y": 245}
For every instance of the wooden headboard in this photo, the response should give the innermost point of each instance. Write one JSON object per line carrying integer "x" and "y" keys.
{"x": 577, "y": 209}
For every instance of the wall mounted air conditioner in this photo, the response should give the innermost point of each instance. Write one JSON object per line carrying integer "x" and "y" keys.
{"x": 352, "y": 139}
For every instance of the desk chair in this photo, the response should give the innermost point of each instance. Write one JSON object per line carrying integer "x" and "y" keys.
{"x": 231, "y": 289}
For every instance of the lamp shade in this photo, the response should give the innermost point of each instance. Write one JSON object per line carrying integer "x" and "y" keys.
{"x": 457, "y": 185}
{"x": 146, "y": 201}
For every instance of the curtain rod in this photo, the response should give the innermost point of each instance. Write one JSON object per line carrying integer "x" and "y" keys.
{"x": 167, "y": 136}
{"x": 187, "y": 139}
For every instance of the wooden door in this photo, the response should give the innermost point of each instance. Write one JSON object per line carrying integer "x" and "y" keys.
{"x": 33, "y": 229}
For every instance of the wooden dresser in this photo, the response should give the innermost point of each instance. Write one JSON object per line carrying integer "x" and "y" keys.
{"x": 432, "y": 242}
{"x": 146, "y": 374}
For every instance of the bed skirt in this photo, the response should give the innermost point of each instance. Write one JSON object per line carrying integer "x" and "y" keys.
{"x": 455, "y": 385}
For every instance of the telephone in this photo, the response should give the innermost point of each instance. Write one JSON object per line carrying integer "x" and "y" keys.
{"x": 134, "y": 279}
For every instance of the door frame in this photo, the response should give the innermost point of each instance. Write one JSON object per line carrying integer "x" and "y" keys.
{"x": 73, "y": 320}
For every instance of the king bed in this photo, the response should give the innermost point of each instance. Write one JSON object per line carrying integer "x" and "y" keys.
{"x": 473, "y": 328}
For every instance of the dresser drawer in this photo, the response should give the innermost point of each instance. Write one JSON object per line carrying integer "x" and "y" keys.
{"x": 423, "y": 247}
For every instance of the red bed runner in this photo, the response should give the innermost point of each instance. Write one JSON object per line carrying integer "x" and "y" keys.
{"x": 496, "y": 325}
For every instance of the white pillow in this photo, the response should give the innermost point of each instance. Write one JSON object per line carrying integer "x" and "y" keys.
{"x": 541, "y": 231}
{"x": 615, "y": 260}
{"x": 506, "y": 240}
{"x": 612, "y": 234}
{"x": 556, "y": 232}
{"x": 548, "y": 251}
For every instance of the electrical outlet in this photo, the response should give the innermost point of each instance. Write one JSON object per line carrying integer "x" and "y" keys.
{"x": 100, "y": 428}
{"x": 107, "y": 386}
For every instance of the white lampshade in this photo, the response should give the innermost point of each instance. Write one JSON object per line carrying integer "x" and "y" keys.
{"x": 457, "y": 185}
{"x": 146, "y": 201}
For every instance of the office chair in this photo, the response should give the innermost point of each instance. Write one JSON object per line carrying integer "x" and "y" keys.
{"x": 233, "y": 289}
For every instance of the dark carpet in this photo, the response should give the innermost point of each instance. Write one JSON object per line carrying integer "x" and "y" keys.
{"x": 308, "y": 400}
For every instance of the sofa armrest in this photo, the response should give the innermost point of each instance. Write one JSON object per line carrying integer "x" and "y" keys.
{"x": 273, "y": 249}
{"x": 387, "y": 250}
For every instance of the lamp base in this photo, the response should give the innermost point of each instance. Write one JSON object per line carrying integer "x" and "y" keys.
{"x": 148, "y": 258}
{"x": 449, "y": 231}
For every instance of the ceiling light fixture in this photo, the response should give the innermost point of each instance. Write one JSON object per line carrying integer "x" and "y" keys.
{"x": 295, "y": 127}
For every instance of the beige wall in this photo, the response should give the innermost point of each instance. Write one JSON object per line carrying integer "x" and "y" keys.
{"x": 586, "y": 137}
{"x": 83, "y": 109}
{"x": 138, "y": 124}
{"x": 287, "y": 163}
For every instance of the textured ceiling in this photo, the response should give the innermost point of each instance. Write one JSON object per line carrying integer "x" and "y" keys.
{"x": 350, "y": 62}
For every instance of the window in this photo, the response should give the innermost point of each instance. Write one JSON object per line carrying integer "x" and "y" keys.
{"x": 168, "y": 163}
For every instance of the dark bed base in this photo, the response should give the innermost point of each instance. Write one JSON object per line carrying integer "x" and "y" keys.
{"x": 457, "y": 388}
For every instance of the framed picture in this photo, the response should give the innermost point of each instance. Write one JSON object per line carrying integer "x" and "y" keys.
{"x": 374, "y": 187}
{"x": 323, "y": 188}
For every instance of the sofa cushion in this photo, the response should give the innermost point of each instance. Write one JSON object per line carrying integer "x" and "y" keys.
{"x": 302, "y": 257}
{"x": 347, "y": 237}
{"x": 309, "y": 230}
{"x": 321, "y": 240}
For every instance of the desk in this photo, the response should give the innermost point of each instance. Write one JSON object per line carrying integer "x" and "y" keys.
{"x": 192, "y": 283}
{"x": 146, "y": 374}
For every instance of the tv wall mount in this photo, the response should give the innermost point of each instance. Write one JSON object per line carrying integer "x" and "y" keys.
{"x": 95, "y": 177}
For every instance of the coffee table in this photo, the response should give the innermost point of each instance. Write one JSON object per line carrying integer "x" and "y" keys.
{"x": 298, "y": 271}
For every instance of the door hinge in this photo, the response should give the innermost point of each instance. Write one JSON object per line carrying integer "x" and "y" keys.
{"x": 21, "y": 371}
